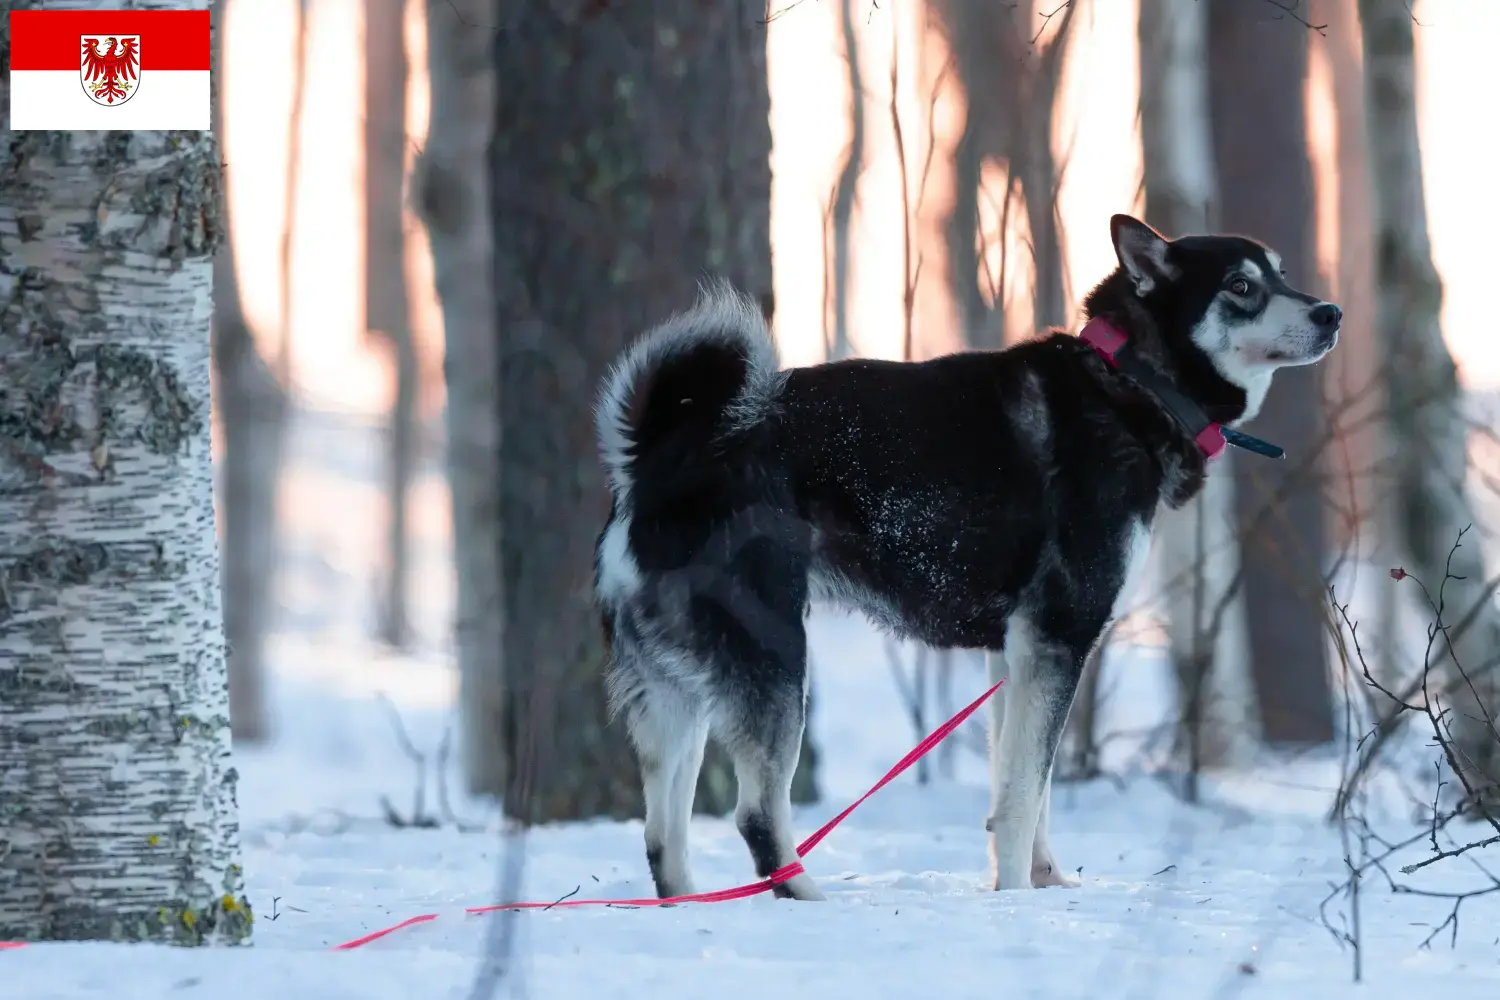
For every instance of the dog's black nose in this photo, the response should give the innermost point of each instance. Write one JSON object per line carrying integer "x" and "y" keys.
{"x": 1326, "y": 315}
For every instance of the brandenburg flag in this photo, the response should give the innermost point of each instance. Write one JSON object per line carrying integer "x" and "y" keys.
{"x": 109, "y": 69}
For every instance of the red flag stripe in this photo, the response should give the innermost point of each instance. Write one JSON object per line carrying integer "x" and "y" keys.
{"x": 53, "y": 39}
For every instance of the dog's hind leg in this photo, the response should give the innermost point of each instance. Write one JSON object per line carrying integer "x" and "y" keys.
{"x": 1044, "y": 674}
{"x": 760, "y": 710}
{"x": 764, "y": 745}
{"x": 669, "y": 732}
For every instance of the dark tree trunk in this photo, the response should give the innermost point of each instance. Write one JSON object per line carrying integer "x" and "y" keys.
{"x": 386, "y": 311}
{"x": 1196, "y": 545}
{"x": 631, "y": 157}
{"x": 1009, "y": 74}
{"x": 982, "y": 42}
{"x": 1257, "y": 76}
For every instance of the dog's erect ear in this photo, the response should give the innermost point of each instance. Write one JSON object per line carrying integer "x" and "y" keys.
{"x": 1142, "y": 252}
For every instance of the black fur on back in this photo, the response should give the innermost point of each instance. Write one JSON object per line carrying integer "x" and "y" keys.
{"x": 931, "y": 494}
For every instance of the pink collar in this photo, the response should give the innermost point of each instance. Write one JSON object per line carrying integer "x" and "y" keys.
{"x": 1111, "y": 344}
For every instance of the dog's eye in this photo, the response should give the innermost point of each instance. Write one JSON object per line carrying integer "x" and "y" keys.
{"x": 1239, "y": 286}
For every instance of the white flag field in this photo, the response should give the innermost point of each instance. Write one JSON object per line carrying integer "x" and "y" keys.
{"x": 104, "y": 70}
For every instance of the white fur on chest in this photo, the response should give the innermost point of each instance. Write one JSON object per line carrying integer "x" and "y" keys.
{"x": 1137, "y": 547}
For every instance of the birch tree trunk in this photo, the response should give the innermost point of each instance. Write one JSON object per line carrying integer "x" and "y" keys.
{"x": 1428, "y": 453}
{"x": 452, "y": 194}
{"x": 117, "y": 798}
{"x": 252, "y": 408}
{"x": 386, "y": 309}
{"x": 1197, "y": 548}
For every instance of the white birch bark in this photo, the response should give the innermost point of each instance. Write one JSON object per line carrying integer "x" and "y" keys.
{"x": 1197, "y": 549}
{"x": 1428, "y": 448}
{"x": 453, "y": 198}
{"x": 117, "y": 798}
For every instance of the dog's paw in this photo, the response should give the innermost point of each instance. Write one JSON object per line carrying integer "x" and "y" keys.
{"x": 1048, "y": 875}
{"x": 802, "y": 888}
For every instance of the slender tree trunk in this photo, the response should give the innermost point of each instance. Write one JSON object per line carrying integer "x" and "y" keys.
{"x": 1010, "y": 84}
{"x": 1037, "y": 169}
{"x": 981, "y": 38}
{"x": 1257, "y": 60}
{"x": 983, "y": 323}
{"x": 848, "y": 187}
{"x": 661, "y": 113}
{"x": 1356, "y": 364}
{"x": 292, "y": 178}
{"x": 1176, "y": 140}
{"x": 1196, "y": 545}
{"x": 1428, "y": 457}
{"x": 386, "y": 309}
{"x": 117, "y": 798}
{"x": 453, "y": 198}
{"x": 252, "y": 412}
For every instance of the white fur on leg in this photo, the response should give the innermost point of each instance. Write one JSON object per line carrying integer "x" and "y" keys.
{"x": 685, "y": 782}
{"x": 1045, "y": 871}
{"x": 666, "y": 832}
{"x": 998, "y": 671}
{"x": 994, "y": 662}
{"x": 999, "y": 837}
{"x": 775, "y": 804}
{"x": 1018, "y": 774}
{"x": 670, "y": 743}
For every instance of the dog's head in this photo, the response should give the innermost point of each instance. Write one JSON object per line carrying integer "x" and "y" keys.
{"x": 1224, "y": 298}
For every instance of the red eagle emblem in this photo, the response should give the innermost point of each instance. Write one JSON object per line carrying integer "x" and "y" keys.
{"x": 111, "y": 67}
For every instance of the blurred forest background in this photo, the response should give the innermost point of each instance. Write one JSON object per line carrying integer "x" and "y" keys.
{"x": 447, "y": 216}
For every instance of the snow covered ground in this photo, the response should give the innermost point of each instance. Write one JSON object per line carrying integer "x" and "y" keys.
{"x": 1175, "y": 902}
{"x": 1178, "y": 902}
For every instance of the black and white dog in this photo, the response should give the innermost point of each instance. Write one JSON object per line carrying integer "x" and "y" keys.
{"x": 996, "y": 500}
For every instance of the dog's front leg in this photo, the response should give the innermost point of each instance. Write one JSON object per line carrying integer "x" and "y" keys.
{"x": 1045, "y": 870}
{"x": 995, "y": 661}
{"x": 1011, "y": 834}
{"x": 1028, "y": 724}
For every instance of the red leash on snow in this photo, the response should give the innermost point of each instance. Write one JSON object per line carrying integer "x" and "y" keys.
{"x": 721, "y": 895}
{"x": 740, "y": 891}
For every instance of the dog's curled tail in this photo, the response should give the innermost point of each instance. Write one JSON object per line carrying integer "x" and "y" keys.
{"x": 702, "y": 374}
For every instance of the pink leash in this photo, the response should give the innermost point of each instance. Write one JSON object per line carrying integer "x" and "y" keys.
{"x": 740, "y": 891}
{"x": 719, "y": 896}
